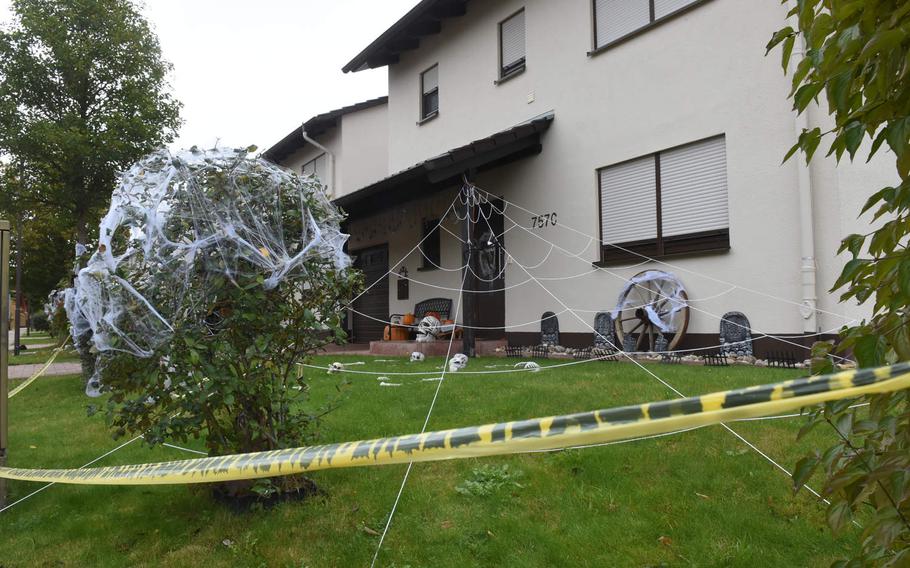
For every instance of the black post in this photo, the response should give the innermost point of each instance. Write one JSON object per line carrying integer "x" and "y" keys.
{"x": 4, "y": 349}
{"x": 18, "y": 316}
{"x": 467, "y": 298}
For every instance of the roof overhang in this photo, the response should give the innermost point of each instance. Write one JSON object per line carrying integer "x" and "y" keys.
{"x": 422, "y": 20}
{"x": 315, "y": 126}
{"x": 446, "y": 170}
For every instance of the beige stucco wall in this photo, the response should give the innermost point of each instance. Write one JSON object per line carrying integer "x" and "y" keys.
{"x": 360, "y": 146}
{"x": 702, "y": 74}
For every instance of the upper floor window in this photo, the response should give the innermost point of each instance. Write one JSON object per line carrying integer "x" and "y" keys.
{"x": 617, "y": 19}
{"x": 666, "y": 203}
{"x": 512, "y": 44}
{"x": 317, "y": 167}
{"x": 429, "y": 92}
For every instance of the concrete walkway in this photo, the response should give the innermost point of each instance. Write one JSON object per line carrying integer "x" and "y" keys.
{"x": 26, "y": 371}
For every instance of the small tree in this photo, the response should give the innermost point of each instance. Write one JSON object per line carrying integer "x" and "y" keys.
{"x": 858, "y": 57}
{"x": 216, "y": 275}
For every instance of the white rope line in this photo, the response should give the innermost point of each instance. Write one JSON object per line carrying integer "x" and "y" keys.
{"x": 677, "y": 267}
{"x": 513, "y": 326}
{"x": 402, "y": 259}
{"x": 701, "y": 310}
{"x": 426, "y": 421}
{"x": 181, "y": 448}
{"x": 678, "y": 393}
{"x": 99, "y": 458}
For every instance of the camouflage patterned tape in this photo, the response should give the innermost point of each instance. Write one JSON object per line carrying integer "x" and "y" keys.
{"x": 497, "y": 439}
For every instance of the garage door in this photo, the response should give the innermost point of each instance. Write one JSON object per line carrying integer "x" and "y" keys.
{"x": 373, "y": 306}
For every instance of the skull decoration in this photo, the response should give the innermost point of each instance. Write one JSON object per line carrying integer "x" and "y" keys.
{"x": 417, "y": 356}
{"x": 428, "y": 329}
{"x": 457, "y": 362}
{"x": 528, "y": 366}
{"x": 336, "y": 367}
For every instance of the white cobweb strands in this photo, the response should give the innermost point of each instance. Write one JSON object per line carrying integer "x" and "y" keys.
{"x": 176, "y": 220}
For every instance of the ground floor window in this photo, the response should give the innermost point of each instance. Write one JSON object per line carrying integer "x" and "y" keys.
{"x": 666, "y": 203}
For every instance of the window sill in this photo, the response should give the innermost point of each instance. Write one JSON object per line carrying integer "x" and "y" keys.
{"x": 428, "y": 118}
{"x": 513, "y": 73}
{"x": 640, "y": 258}
{"x": 645, "y": 28}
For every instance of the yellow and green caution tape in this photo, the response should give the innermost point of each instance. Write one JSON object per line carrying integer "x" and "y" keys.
{"x": 497, "y": 439}
{"x": 39, "y": 372}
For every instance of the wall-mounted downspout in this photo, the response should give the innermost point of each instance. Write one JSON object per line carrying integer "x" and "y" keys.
{"x": 331, "y": 166}
{"x": 808, "y": 267}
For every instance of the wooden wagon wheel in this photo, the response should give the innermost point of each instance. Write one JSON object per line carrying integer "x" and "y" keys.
{"x": 653, "y": 309}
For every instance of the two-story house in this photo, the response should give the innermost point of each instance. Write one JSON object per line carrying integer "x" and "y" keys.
{"x": 616, "y": 137}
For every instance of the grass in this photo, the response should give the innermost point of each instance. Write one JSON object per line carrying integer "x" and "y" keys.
{"x": 35, "y": 338}
{"x": 40, "y": 356}
{"x": 699, "y": 498}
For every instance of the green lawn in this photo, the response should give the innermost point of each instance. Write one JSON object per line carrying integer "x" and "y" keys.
{"x": 34, "y": 339}
{"x": 699, "y": 498}
{"x": 32, "y": 356}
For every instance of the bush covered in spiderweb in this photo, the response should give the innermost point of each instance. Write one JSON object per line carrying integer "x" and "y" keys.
{"x": 214, "y": 276}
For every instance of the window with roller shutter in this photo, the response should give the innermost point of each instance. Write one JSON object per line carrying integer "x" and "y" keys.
{"x": 429, "y": 93}
{"x": 615, "y": 20}
{"x": 512, "y": 44}
{"x": 667, "y": 203}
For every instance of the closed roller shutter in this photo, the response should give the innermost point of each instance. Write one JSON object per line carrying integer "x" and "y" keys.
{"x": 665, "y": 7}
{"x": 628, "y": 197}
{"x": 693, "y": 188}
{"x": 513, "y": 40}
{"x": 616, "y": 18}
{"x": 430, "y": 80}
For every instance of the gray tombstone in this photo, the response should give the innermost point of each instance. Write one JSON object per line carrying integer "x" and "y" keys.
{"x": 549, "y": 329}
{"x": 604, "y": 335}
{"x": 735, "y": 334}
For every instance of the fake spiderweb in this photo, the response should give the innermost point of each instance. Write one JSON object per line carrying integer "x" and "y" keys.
{"x": 175, "y": 221}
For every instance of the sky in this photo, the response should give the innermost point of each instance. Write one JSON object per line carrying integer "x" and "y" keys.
{"x": 250, "y": 72}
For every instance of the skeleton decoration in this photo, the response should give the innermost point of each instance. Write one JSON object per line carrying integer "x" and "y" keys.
{"x": 428, "y": 329}
{"x": 417, "y": 357}
{"x": 528, "y": 366}
{"x": 336, "y": 367}
{"x": 175, "y": 218}
{"x": 458, "y": 362}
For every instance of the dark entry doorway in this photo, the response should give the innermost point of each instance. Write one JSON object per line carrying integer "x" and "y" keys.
{"x": 488, "y": 263}
{"x": 372, "y": 308}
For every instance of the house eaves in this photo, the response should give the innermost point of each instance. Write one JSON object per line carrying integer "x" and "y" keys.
{"x": 446, "y": 169}
{"x": 315, "y": 126}
{"x": 422, "y": 20}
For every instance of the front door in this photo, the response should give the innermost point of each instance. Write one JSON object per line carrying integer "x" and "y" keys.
{"x": 372, "y": 308}
{"x": 488, "y": 263}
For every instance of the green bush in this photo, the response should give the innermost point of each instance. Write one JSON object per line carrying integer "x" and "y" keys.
{"x": 39, "y": 322}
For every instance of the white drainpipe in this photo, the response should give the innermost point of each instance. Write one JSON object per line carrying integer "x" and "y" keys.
{"x": 331, "y": 181}
{"x": 808, "y": 266}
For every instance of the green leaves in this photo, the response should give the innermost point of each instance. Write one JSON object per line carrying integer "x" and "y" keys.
{"x": 858, "y": 52}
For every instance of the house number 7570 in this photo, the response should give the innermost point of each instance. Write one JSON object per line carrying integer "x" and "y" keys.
{"x": 545, "y": 220}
